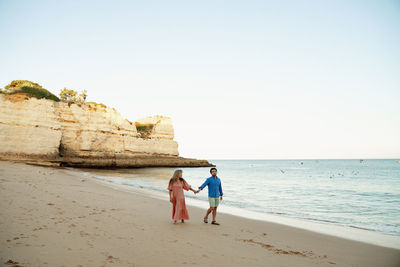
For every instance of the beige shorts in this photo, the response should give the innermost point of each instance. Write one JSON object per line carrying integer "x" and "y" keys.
{"x": 214, "y": 201}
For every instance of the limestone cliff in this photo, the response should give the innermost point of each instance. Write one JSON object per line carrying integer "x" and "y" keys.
{"x": 85, "y": 135}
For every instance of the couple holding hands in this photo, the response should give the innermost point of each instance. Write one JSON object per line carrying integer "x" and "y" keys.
{"x": 177, "y": 197}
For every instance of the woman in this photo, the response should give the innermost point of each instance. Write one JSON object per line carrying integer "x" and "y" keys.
{"x": 177, "y": 197}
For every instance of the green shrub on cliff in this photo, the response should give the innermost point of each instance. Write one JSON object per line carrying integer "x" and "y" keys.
{"x": 30, "y": 88}
{"x": 144, "y": 130}
{"x": 38, "y": 93}
{"x": 72, "y": 96}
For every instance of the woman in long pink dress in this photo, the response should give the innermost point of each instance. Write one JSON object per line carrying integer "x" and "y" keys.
{"x": 177, "y": 197}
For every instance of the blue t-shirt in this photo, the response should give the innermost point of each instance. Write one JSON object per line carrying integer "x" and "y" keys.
{"x": 214, "y": 186}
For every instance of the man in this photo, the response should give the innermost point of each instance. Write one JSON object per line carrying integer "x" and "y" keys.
{"x": 214, "y": 194}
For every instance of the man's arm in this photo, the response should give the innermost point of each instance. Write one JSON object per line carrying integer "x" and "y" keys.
{"x": 220, "y": 190}
{"x": 203, "y": 185}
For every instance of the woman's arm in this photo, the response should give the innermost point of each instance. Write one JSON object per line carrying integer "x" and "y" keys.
{"x": 191, "y": 189}
{"x": 170, "y": 196}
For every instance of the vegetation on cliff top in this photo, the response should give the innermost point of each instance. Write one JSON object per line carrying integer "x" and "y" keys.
{"x": 30, "y": 88}
{"x": 33, "y": 89}
{"x": 72, "y": 96}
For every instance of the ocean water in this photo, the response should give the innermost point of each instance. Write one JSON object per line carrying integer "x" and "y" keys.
{"x": 351, "y": 194}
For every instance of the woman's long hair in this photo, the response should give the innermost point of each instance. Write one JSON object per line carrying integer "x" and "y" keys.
{"x": 174, "y": 177}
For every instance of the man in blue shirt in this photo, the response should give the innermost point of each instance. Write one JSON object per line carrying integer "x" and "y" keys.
{"x": 214, "y": 194}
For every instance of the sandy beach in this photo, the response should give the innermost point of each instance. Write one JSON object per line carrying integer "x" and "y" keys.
{"x": 55, "y": 217}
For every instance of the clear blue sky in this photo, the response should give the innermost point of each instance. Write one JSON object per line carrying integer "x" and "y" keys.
{"x": 240, "y": 79}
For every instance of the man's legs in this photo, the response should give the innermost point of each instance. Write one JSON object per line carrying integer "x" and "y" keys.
{"x": 213, "y": 208}
{"x": 211, "y": 201}
{"x": 214, "y": 213}
{"x": 209, "y": 211}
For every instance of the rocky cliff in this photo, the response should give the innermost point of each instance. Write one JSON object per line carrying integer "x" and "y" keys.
{"x": 84, "y": 135}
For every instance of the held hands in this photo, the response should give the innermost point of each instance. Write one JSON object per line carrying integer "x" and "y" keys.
{"x": 196, "y": 191}
{"x": 220, "y": 197}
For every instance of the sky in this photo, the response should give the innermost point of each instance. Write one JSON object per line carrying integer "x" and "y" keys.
{"x": 240, "y": 79}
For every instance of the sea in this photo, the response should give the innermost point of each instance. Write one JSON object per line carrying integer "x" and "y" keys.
{"x": 353, "y": 198}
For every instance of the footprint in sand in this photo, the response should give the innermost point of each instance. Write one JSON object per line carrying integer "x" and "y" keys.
{"x": 13, "y": 263}
{"x": 115, "y": 209}
{"x": 82, "y": 233}
{"x": 111, "y": 258}
{"x": 308, "y": 254}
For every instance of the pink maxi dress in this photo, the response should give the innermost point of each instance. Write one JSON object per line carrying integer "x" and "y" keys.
{"x": 179, "y": 211}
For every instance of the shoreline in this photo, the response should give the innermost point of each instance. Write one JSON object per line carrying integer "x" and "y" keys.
{"x": 54, "y": 216}
{"x": 330, "y": 229}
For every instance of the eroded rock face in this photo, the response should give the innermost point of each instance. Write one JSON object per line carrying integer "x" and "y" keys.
{"x": 87, "y": 135}
{"x": 29, "y": 127}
